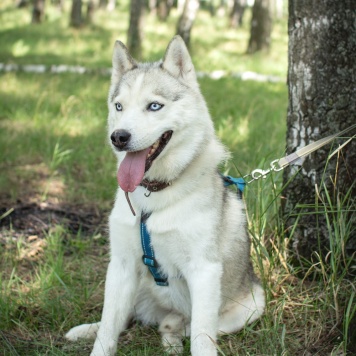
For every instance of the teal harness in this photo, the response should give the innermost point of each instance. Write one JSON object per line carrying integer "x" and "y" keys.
{"x": 148, "y": 257}
{"x": 275, "y": 166}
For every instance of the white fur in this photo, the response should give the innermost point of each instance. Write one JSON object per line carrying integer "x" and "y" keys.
{"x": 197, "y": 227}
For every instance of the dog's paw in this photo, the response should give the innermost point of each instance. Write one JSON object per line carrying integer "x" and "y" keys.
{"x": 84, "y": 331}
{"x": 203, "y": 344}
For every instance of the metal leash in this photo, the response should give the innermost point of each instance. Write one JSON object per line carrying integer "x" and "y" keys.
{"x": 281, "y": 163}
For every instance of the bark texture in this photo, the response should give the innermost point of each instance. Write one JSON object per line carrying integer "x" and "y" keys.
{"x": 261, "y": 27}
{"x": 187, "y": 19}
{"x": 135, "y": 32}
{"x": 322, "y": 101}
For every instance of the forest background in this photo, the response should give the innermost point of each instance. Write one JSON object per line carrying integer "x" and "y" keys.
{"x": 58, "y": 179}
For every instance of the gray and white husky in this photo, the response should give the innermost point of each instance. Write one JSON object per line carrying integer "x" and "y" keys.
{"x": 168, "y": 153}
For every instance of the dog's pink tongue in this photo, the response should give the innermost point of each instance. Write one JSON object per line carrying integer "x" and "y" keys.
{"x": 132, "y": 170}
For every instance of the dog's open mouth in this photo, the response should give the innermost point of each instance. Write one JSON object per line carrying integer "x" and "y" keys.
{"x": 157, "y": 148}
{"x": 135, "y": 164}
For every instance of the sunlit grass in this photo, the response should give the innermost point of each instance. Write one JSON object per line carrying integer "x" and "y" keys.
{"x": 53, "y": 145}
{"x": 214, "y": 44}
{"x": 52, "y": 114}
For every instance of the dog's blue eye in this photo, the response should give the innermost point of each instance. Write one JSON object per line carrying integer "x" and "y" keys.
{"x": 154, "y": 107}
{"x": 118, "y": 107}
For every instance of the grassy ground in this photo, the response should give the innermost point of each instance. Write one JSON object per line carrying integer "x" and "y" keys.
{"x": 58, "y": 174}
{"x": 214, "y": 45}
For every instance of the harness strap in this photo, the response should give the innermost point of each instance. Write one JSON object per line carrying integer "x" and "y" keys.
{"x": 240, "y": 183}
{"x": 148, "y": 257}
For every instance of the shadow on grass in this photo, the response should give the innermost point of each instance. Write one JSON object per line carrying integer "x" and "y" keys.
{"x": 52, "y": 43}
{"x": 54, "y": 127}
{"x": 53, "y": 138}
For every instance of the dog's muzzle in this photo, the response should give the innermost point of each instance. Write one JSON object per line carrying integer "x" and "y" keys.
{"x": 120, "y": 138}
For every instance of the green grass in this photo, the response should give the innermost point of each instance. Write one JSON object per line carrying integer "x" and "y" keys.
{"x": 54, "y": 131}
{"x": 53, "y": 149}
{"x": 55, "y": 128}
{"x": 214, "y": 45}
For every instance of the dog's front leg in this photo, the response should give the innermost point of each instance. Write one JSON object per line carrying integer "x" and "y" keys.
{"x": 120, "y": 288}
{"x": 204, "y": 284}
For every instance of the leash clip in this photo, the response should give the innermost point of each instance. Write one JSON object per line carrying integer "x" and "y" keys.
{"x": 262, "y": 173}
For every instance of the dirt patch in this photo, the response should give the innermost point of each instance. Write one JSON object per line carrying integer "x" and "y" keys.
{"x": 35, "y": 219}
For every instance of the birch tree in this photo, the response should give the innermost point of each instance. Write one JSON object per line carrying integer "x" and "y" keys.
{"x": 186, "y": 20}
{"x": 322, "y": 101}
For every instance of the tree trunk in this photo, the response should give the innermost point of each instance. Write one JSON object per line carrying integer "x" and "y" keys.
{"x": 152, "y": 6}
{"x": 180, "y": 6}
{"x": 237, "y": 13}
{"x": 90, "y": 11}
{"x": 59, "y": 4}
{"x": 135, "y": 32}
{"x": 163, "y": 9}
{"x": 38, "y": 11}
{"x": 76, "y": 19}
{"x": 111, "y": 5}
{"x": 22, "y": 3}
{"x": 261, "y": 27}
{"x": 322, "y": 101}
{"x": 103, "y": 4}
{"x": 187, "y": 19}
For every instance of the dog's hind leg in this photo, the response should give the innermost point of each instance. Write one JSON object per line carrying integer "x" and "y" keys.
{"x": 84, "y": 331}
{"x": 241, "y": 312}
{"x": 172, "y": 329}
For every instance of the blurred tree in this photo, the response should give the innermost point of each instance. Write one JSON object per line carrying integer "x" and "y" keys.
{"x": 152, "y": 6}
{"x": 38, "y": 11}
{"x": 163, "y": 9}
{"x": 322, "y": 101}
{"x": 180, "y": 6}
{"x": 90, "y": 11}
{"x": 22, "y": 3}
{"x": 111, "y": 5}
{"x": 237, "y": 13}
{"x": 59, "y": 4}
{"x": 76, "y": 18}
{"x": 261, "y": 27}
{"x": 135, "y": 32}
{"x": 278, "y": 11}
{"x": 103, "y": 4}
{"x": 186, "y": 20}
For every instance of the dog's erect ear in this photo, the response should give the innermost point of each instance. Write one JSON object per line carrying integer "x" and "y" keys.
{"x": 177, "y": 61}
{"x": 121, "y": 61}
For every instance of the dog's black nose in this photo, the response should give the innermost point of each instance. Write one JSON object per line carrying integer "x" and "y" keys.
{"x": 120, "y": 138}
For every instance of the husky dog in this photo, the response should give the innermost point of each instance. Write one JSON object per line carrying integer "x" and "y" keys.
{"x": 168, "y": 153}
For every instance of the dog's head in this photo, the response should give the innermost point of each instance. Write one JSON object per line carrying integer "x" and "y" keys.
{"x": 155, "y": 109}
